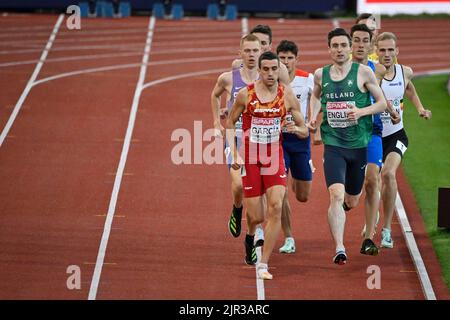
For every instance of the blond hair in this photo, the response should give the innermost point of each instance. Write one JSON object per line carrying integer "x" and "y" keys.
{"x": 249, "y": 38}
{"x": 386, "y": 36}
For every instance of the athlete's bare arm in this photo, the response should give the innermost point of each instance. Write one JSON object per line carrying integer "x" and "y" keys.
{"x": 284, "y": 75}
{"x": 380, "y": 72}
{"x": 315, "y": 99}
{"x": 412, "y": 95}
{"x": 293, "y": 106}
{"x": 235, "y": 112}
{"x": 223, "y": 85}
{"x": 371, "y": 84}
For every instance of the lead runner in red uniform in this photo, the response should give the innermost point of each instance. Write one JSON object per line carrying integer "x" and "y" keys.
{"x": 263, "y": 106}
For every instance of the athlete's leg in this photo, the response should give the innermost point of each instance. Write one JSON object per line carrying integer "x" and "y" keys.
{"x": 336, "y": 214}
{"x": 286, "y": 216}
{"x": 389, "y": 187}
{"x": 275, "y": 196}
{"x": 302, "y": 189}
{"x": 256, "y": 207}
{"x": 236, "y": 187}
{"x": 372, "y": 199}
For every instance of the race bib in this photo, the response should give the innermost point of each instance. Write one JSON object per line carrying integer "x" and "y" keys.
{"x": 265, "y": 130}
{"x": 385, "y": 116}
{"x": 288, "y": 119}
{"x": 337, "y": 114}
{"x": 238, "y": 126}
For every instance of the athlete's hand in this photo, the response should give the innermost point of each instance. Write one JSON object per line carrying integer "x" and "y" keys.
{"x": 354, "y": 113}
{"x": 300, "y": 131}
{"x": 395, "y": 117}
{"x": 426, "y": 114}
{"x": 223, "y": 113}
{"x": 219, "y": 130}
{"x": 237, "y": 162}
{"x": 312, "y": 126}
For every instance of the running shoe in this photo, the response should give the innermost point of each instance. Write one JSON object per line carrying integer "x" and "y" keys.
{"x": 369, "y": 248}
{"x": 386, "y": 240}
{"x": 363, "y": 231}
{"x": 259, "y": 236}
{"x": 289, "y": 245}
{"x": 250, "y": 254}
{"x": 340, "y": 258}
{"x": 263, "y": 271}
{"x": 234, "y": 224}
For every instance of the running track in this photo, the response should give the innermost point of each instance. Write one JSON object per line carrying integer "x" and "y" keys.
{"x": 66, "y": 170}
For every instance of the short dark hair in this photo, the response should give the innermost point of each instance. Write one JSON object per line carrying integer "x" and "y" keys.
{"x": 336, "y": 33}
{"x": 361, "y": 27}
{"x": 268, "y": 55}
{"x": 264, "y": 29}
{"x": 286, "y": 46}
{"x": 363, "y": 16}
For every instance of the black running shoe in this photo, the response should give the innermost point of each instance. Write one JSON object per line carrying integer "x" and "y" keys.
{"x": 250, "y": 253}
{"x": 369, "y": 248}
{"x": 340, "y": 258}
{"x": 234, "y": 224}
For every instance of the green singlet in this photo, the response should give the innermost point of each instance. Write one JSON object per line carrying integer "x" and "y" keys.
{"x": 337, "y": 97}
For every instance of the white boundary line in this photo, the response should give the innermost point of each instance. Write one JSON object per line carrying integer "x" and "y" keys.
{"x": 123, "y": 158}
{"x": 31, "y": 80}
{"x": 425, "y": 282}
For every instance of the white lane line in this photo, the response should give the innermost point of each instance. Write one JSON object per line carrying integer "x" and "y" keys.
{"x": 120, "y": 170}
{"x": 184, "y": 75}
{"x": 260, "y": 291}
{"x": 130, "y": 65}
{"x": 31, "y": 80}
{"x": 244, "y": 26}
{"x": 425, "y": 282}
{"x": 72, "y": 58}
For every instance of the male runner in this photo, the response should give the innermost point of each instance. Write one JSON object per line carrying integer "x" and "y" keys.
{"x": 230, "y": 83}
{"x": 395, "y": 142}
{"x": 297, "y": 152}
{"x": 361, "y": 44}
{"x": 263, "y": 106}
{"x": 344, "y": 88}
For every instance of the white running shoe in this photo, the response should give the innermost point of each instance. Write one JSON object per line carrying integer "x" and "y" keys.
{"x": 263, "y": 271}
{"x": 289, "y": 245}
{"x": 386, "y": 239}
{"x": 259, "y": 236}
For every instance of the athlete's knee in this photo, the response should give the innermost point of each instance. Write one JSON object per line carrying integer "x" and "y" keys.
{"x": 254, "y": 218}
{"x": 236, "y": 187}
{"x": 388, "y": 176}
{"x": 336, "y": 196}
{"x": 302, "y": 196}
{"x": 274, "y": 207}
{"x": 351, "y": 202}
{"x": 371, "y": 184}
